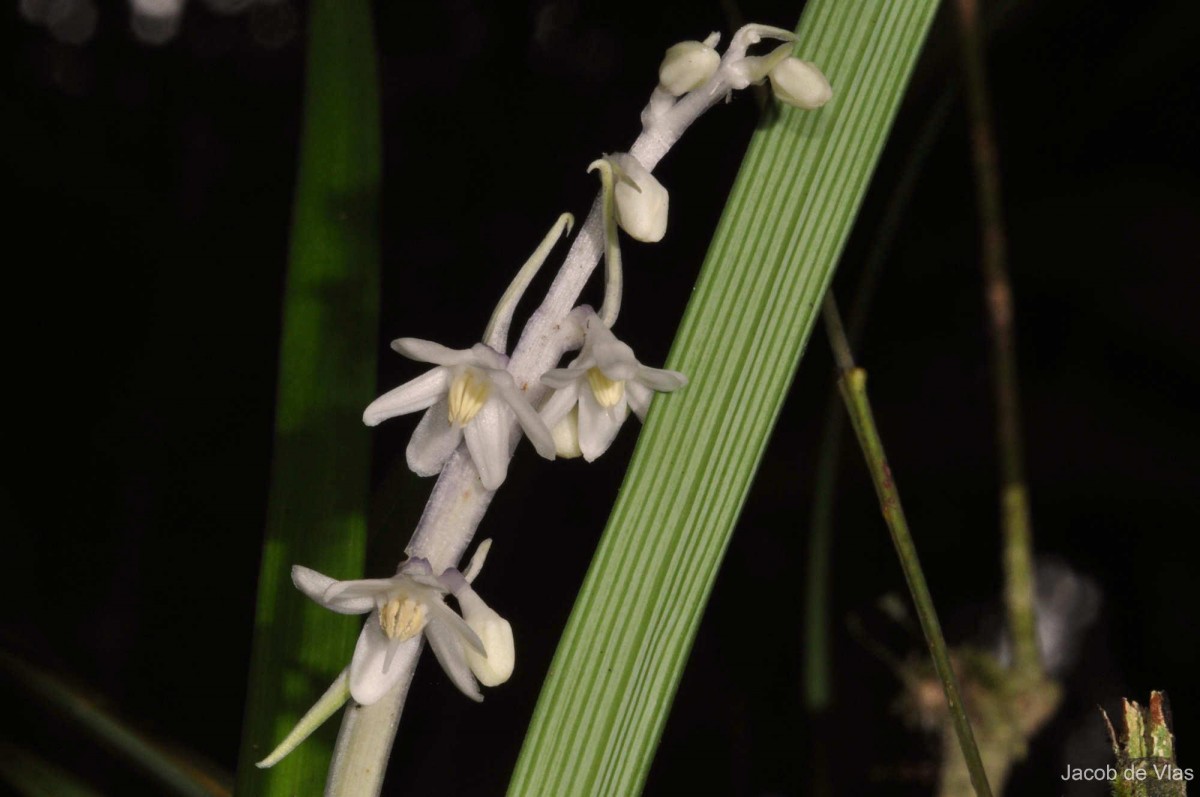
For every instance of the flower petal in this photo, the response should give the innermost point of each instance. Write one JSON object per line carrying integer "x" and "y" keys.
{"x": 614, "y": 358}
{"x": 426, "y": 351}
{"x": 639, "y": 398}
{"x": 358, "y": 592}
{"x": 310, "y": 582}
{"x": 442, "y": 614}
{"x": 484, "y": 356}
{"x": 412, "y": 396}
{"x": 598, "y": 426}
{"x": 369, "y": 679}
{"x": 487, "y": 440}
{"x": 535, "y": 428}
{"x": 561, "y": 378}
{"x": 660, "y": 379}
{"x": 433, "y": 441}
{"x": 317, "y": 585}
{"x": 560, "y": 403}
{"x": 453, "y": 658}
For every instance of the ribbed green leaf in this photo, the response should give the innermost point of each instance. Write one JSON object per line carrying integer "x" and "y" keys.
{"x": 603, "y": 706}
{"x": 320, "y": 477}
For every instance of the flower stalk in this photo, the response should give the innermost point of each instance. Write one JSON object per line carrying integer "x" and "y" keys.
{"x": 1017, "y": 528}
{"x": 853, "y": 385}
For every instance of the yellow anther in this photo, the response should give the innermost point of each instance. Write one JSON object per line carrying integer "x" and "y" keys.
{"x": 607, "y": 391}
{"x": 468, "y": 394}
{"x": 402, "y": 618}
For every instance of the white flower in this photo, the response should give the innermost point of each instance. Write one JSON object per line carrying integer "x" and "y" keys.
{"x": 800, "y": 83}
{"x": 477, "y": 645}
{"x": 688, "y": 66}
{"x": 470, "y": 394}
{"x": 641, "y": 200}
{"x": 602, "y": 384}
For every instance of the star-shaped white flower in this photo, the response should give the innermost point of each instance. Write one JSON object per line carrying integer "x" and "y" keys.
{"x": 597, "y": 390}
{"x": 469, "y": 394}
{"x": 478, "y": 645}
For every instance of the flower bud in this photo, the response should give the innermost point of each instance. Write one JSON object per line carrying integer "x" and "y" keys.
{"x": 687, "y": 66}
{"x": 800, "y": 83}
{"x": 496, "y": 635}
{"x": 566, "y": 435}
{"x": 641, "y": 201}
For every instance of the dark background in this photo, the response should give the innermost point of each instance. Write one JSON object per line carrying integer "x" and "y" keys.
{"x": 148, "y": 193}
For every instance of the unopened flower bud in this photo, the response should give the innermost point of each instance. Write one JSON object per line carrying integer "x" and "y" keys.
{"x": 800, "y": 83}
{"x": 496, "y": 635}
{"x": 687, "y": 66}
{"x": 641, "y": 201}
{"x": 566, "y": 436}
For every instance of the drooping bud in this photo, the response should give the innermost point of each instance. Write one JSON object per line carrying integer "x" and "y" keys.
{"x": 687, "y": 66}
{"x": 496, "y": 635}
{"x": 641, "y": 201}
{"x": 800, "y": 83}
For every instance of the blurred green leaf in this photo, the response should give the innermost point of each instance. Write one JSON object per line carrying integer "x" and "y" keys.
{"x": 176, "y": 773}
{"x": 603, "y": 706}
{"x": 320, "y": 480}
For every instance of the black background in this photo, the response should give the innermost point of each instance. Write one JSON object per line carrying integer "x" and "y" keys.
{"x": 145, "y": 238}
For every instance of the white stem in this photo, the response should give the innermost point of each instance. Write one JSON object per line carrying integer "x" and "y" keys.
{"x": 459, "y": 501}
{"x": 364, "y": 741}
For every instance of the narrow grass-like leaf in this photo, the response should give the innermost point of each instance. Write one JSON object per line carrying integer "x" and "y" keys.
{"x": 603, "y": 706}
{"x": 174, "y": 772}
{"x": 320, "y": 476}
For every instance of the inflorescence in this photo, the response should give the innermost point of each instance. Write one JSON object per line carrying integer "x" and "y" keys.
{"x": 471, "y": 397}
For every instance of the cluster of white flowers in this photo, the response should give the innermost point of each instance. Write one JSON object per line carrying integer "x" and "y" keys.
{"x": 471, "y": 396}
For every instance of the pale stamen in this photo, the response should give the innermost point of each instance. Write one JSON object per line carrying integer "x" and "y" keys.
{"x": 468, "y": 394}
{"x": 402, "y": 618}
{"x": 608, "y": 392}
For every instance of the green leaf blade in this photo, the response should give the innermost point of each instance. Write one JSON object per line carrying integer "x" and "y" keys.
{"x": 320, "y": 480}
{"x": 605, "y": 701}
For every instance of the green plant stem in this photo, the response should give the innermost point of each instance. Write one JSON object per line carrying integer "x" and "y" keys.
{"x": 320, "y": 481}
{"x": 853, "y": 385}
{"x": 818, "y": 662}
{"x": 818, "y": 649}
{"x": 1020, "y": 587}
